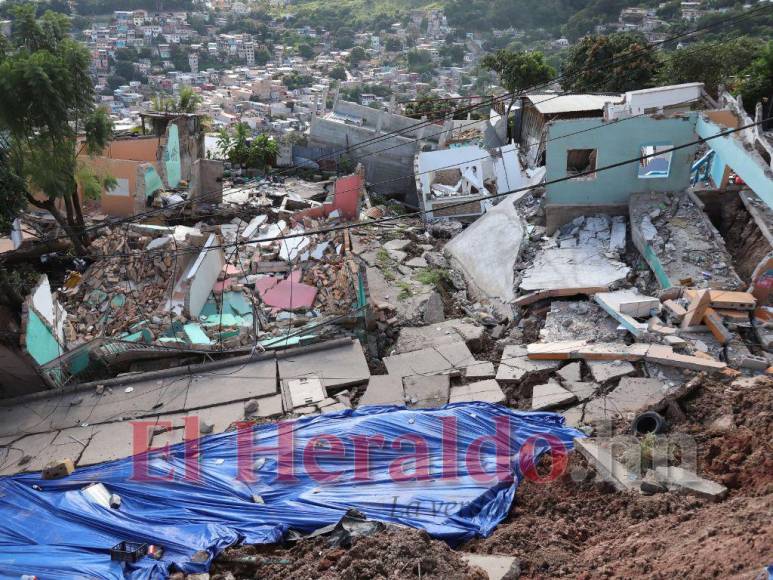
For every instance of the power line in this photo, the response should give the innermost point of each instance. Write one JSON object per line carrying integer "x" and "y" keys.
{"x": 139, "y": 216}
{"x": 492, "y": 196}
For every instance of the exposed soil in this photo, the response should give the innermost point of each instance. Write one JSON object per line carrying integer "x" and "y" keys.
{"x": 392, "y": 553}
{"x": 586, "y": 529}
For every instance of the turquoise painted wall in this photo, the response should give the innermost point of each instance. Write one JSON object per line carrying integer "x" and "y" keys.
{"x": 39, "y": 341}
{"x": 152, "y": 181}
{"x": 731, "y": 150}
{"x": 617, "y": 141}
{"x": 172, "y": 164}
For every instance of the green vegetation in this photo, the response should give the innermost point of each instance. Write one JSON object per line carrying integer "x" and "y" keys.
{"x": 46, "y": 101}
{"x": 709, "y": 63}
{"x": 405, "y": 290}
{"x": 251, "y": 152}
{"x": 436, "y": 277}
{"x": 614, "y": 63}
{"x": 295, "y": 80}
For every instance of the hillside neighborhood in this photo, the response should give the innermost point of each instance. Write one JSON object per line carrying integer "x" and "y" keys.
{"x": 303, "y": 291}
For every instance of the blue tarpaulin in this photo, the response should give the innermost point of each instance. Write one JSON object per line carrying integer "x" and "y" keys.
{"x": 451, "y": 471}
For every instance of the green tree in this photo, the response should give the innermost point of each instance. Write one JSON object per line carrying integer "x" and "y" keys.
{"x": 393, "y": 44}
{"x": 356, "y": 55}
{"x": 241, "y": 149}
{"x": 615, "y": 63}
{"x": 187, "y": 102}
{"x": 709, "y": 63}
{"x": 338, "y": 73}
{"x": 306, "y": 51}
{"x": 46, "y": 101}
{"x": 758, "y": 85}
{"x": 518, "y": 71}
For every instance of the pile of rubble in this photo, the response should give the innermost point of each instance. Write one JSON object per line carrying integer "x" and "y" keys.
{"x": 223, "y": 283}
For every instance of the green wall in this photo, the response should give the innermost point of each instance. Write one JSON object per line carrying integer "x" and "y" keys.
{"x": 616, "y": 141}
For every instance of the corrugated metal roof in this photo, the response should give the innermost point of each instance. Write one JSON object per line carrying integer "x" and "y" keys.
{"x": 551, "y": 104}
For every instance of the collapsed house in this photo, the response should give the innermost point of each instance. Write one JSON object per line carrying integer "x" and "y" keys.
{"x": 157, "y": 166}
{"x": 384, "y": 143}
{"x": 637, "y": 287}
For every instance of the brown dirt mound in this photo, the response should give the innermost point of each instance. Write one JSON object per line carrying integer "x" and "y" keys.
{"x": 392, "y": 553}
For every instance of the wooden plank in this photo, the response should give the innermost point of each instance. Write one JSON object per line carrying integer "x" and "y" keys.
{"x": 675, "y": 309}
{"x": 732, "y": 300}
{"x": 658, "y": 353}
{"x": 733, "y": 315}
{"x": 717, "y": 328}
{"x": 698, "y": 306}
{"x": 557, "y": 293}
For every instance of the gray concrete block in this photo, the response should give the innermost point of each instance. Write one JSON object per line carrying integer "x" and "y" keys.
{"x": 497, "y": 567}
{"x": 383, "y": 390}
{"x": 487, "y": 391}
{"x": 426, "y": 392}
{"x": 689, "y": 482}
{"x": 550, "y": 395}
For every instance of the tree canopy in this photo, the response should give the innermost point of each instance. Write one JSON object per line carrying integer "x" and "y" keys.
{"x": 518, "y": 70}
{"x": 46, "y": 101}
{"x": 615, "y": 63}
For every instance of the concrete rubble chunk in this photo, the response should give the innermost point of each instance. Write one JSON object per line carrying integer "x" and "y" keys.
{"x": 487, "y": 391}
{"x": 487, "y": 251}
{"x": 416, "y": 263}
{"x": 515, "y": 365}
{"x": 636, "y": 305}
{"x": 417, "y": 337}
{"x": 556, "y": 268}
{"x": 571, "y": 372}
{"x": 607, "y": 466}
{"x": 426, "y": 392}
{"x": 433, "y": 309}
{"x": 383, "y": 390}
{"x": 686, "y": 481}
{"x": 583, "y": 391}
{"x": 451, "y": 358}
{"x": 550, "y": 395}
{"x": 633, "y": 395}
{"x": 603, "y": 371}
{"x": 496, "y": 567}
{"x": 480, "y": 370}
{"x": 398, "y": 245}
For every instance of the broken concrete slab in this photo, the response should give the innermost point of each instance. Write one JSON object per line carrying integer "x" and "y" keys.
{"x": 480, "y": 370}
{"x": 398, "y": 245}
{"x": 340, "y": 363}
{"x": 614, "y": 302}
{"x": 550, "y": 395}
{"x": 571, "y": 372}
{"x": 426, "y": 392}
{"x": 583, "y": 391}
{"x": 680, "y": 243}
{"x": 633, "y": 395}
{"x": 496, "y": 567}
{"x": 689, "y": 482}
{"x": 383, "y": 390}
{"x": 515, "y": 365}
{"x": 603, "y": 371}
{"x": 607, "y": 466}
{"x": 487, "y": 251}
{"x": 433, "y": 309}
{"x": 24, "y": 454}
{"x": 556, "y": 268}
{"x": 450, "y": 358}
{"x": 110, "y": 441}
{"x": 415, "y": 338}
{"x": 487, "y": 391}
{"x": 579, "y": 320}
